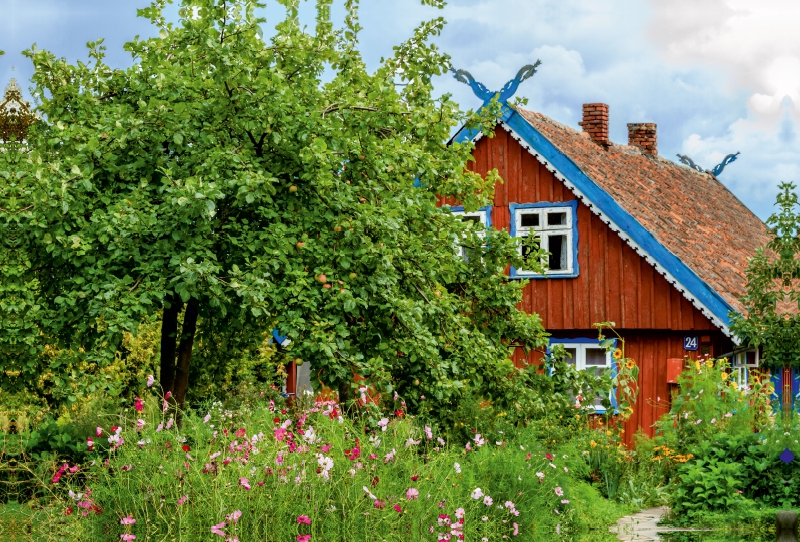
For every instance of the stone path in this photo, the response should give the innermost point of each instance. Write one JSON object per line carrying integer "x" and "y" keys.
{"x": 643, "y": 526}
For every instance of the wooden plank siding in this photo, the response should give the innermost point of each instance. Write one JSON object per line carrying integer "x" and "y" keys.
{"x": 614, "y": 283}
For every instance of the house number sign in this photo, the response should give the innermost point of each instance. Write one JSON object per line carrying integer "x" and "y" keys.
{"x": 690, "y": 342}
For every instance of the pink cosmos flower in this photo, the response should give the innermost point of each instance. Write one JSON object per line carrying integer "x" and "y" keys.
{"x": 138, "y": 405}
{"x": 150, "y": 380}
{"x": 127, "y": 520}
{"x": 549, "y": 457}
{"x": 303, "y": 537}
{"x": 127, "y": 537}
{"x": 564, "y": 501}
{"x": 428, "y": 433}
{"x": 325, "y": 448}
{"x": 170, "y": 422}
{"x": 304, "y": 519}
{"x": 460, "y": 513}
{"x": 207, "y": 418}
{"x": 379, "y": 504}
{"x": 487, "y": 500}
{"x": 183, "y": 499}
{"x": 559, "y": 491}
{"x": 398, "y": 509}
{"x": 98, "y": 431}
{"x": 382, "y": 423}
{"x": 412, "y": 494}
{"x": 245, "y": 483}
{"x": 217, "y": 529}
{"x": 90, "y": 443}
{"x": 477, "y": 493}
{"x": 234, "y": 516}
{"x": 516, "y": 529}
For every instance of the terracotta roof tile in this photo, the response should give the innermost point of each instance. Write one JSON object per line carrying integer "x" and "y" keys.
{"x": 690, "y": 213}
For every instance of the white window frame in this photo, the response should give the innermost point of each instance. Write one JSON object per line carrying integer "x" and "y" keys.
{"x": 741, "y": 368}
{"x": 580, "y": 364}
{"x": 483, "y": 219}
{"x": 543, "y": 231}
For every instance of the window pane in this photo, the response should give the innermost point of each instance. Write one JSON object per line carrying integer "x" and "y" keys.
{"x": 596, "y": 357}
{"x": 526, "y": 250}
{"x": 572, "y": 355}
{"x": 530, "y": 220}
{"x": 475, "y": 219}
{"x": 558, "y": 253}
{"x": 557, "y": 219}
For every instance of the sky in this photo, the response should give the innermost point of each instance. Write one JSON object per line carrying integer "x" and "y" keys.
{"x": 716, "y": 76}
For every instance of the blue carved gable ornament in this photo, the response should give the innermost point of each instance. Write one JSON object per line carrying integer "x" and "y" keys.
{"x": 717, "y": 169}
{"x": 505, "y": 93}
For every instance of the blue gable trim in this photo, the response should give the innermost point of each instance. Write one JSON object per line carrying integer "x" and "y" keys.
{"x": 609, "y": 206}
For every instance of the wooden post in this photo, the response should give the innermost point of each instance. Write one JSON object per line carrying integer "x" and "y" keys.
{"x": 786, "y": 383}
{"x": 786, "y": 526}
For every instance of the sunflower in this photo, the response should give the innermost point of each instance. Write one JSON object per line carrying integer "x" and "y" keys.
{"x": 617, "y": 354}
{"x": 710, "y": 363}
{"x": 724, "y": 376}
{"x": 630, "y": 364}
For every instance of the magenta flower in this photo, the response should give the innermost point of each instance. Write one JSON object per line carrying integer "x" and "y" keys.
{"x": 138, "y": 405}
{"x": 183, "y": 499}
{"x": 412, "y": 494}
{"x": 127, "y": 520}
{"x": 398, "y": 509}
{"x": 303, "y": 537}
{"x": 304, "y": 519}
{"x": 127, "y": 537}
{"x": 379, "y": 504}
{"x": 217, "y": 529}
{"x": 98, "y": 431}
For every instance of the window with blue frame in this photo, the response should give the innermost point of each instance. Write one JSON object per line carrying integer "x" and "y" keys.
{"x": 555, "y": 226}
{"x": 482, "y": 218}
{"x": 587, "y": 355}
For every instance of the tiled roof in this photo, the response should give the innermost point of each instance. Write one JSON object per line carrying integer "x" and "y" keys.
{"x": 691, "y": 214}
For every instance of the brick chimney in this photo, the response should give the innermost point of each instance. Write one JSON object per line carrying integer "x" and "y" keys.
{"x": 643, "y": 135}
{"x": 595, "y": 122}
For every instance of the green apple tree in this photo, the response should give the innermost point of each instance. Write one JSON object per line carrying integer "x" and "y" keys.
{"x": 232, "y": 184}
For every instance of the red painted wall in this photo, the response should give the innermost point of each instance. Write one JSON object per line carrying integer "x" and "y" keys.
{"x": 615, "y": 284}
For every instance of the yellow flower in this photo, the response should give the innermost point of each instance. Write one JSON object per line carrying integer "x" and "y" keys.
{"x": 592, "y": 443}
{"x": 697, "y": 365}
{"x": 724, "y": 376}
{"x": 630, "y": 364}
{"x": 617, "y": 354}
{"x": 710, "y": 363}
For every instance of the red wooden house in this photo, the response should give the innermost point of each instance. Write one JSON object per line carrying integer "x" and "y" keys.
{"x": 657, "y": 247}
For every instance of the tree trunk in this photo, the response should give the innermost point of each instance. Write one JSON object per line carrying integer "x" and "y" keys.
{"x": 169, "y": 338}
{"x": 185, "y": 353}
